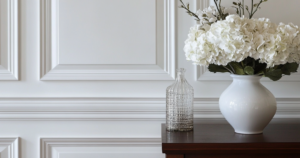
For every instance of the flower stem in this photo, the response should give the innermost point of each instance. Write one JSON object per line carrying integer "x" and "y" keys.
{"x": 189, "y": 11}
{"x": 243, "y": 7}
{"x": 251, "y": 10}
{"x": 232, "y": 68}
{"x": 220, "y": 12}
{"x": 261, "y": 1}
{"x": 228, "y": 69}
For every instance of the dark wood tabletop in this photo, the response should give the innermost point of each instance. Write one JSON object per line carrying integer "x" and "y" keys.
{"x": 213, "y": 141}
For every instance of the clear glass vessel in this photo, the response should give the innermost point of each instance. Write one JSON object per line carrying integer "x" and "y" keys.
{"x": 180, "y": 97}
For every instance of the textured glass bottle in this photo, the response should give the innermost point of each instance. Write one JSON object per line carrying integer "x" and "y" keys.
{"x": 180, "y": 96}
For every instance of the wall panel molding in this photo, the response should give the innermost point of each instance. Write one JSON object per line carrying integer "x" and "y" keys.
{"x": 202, "y": 73}
{"x": 10, "y": 71}
{"x": 100, "y": 147}
{"x": 201, "y": 4}
{"x": 118, "y": 109}
{"x": 9, "y": 147}
{"x": 51, "y": 69}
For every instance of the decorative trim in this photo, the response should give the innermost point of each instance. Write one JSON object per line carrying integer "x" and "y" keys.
{"x": 201, "y": 4}
{"x": 10, "y": 71}
{"x": 202, "y": 73}
{"x": 50, "y": 69}
{"x": 12, "y": 146}
{"x": 118, "y": 109}
{"x": 200, "y": 70}
{"x": 49, "y": 146}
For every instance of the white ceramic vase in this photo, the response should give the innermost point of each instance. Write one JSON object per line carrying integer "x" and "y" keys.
{"x": 247, "y": 105}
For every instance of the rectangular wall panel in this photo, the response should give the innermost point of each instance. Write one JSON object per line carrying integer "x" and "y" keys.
{"x": 82, "y": 41}
{"x": 119, "y": 32}
{"x": 101, "y": 147}
{"x": 9, "y": 147}
{"x": 9, "y": 40}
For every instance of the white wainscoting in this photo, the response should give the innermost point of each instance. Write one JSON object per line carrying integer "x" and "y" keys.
{"x": 101, "y": 147}
{"x": 9, "y": 147}
{"x": 118, "y": 109}
{"x": 9, "y": 40}
{"x": 52, "y": 69}
{"x": 110, "y": 117}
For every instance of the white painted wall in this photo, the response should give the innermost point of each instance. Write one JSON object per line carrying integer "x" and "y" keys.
{"x": 95, "y": 72}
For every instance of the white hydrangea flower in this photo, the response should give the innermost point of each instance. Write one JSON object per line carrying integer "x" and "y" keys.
{"x": 209, "y": 15}
{"x": 236, "y": 38}
{"x": 196, "y": 47}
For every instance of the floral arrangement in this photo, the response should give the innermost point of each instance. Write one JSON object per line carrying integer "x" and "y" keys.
{"x": 242, "y": 45}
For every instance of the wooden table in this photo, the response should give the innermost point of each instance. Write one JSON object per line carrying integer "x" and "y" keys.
{"x": 220, "y": 141}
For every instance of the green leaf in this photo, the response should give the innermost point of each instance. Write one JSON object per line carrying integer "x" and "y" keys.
{"x": 248, "y": 61}
{"x": 274, "y": 75}
{"x": 259, "y": 67}
{"x": 216, "y": 68}
{"x": 288, "y": 68}
{"x": 237, "y": 68}
{"x": 291, "y": 67}
{"x": 260, "y": 73}
{"x": 249, "y": 70}
{"x": 285, "y": 71}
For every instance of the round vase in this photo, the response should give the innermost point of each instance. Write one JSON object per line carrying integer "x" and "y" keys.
{"x": 247, "y": 105}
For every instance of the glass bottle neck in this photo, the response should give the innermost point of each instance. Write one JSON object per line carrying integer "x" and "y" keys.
{"x": 180, "y": 77}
